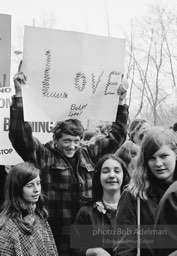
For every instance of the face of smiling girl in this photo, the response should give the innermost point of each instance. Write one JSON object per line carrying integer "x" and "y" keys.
{"x": 111, "y": 176}
{"x": 32, "y": 190}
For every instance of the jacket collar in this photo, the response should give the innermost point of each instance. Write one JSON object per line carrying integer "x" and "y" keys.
{"x": 84, "y": 159}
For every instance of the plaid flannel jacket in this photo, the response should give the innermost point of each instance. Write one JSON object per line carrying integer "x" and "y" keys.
{"x": 13, "y": 242}
{"x": 63, "y": 186}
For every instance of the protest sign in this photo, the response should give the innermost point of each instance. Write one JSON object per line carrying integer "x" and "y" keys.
{"x": 6, "y": 150}
{"x": 42, "y": 130}
{"x": 71, "y": 75}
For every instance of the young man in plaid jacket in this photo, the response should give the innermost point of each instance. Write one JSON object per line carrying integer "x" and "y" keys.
{"x": 66, "y": 165}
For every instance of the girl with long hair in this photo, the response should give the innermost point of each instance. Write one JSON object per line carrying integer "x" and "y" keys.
{"x": 24, "y": 229}
{"x": 156, "y": 169}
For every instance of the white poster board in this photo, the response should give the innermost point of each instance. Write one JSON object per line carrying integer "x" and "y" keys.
{"x": 71, "y": 75}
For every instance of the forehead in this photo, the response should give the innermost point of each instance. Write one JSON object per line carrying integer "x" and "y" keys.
{"x": 70, "y": 137}
{"x": 163, "y": 149}
{"x": 34, "y": 180}
{"x": 111, "y": 162}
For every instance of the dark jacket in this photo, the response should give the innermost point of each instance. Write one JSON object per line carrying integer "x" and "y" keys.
{"x": 166, "y": 217}
{"x": 93, "y": 227}
{"x": 63, "y": 186}
{"x": 127, "y": 218}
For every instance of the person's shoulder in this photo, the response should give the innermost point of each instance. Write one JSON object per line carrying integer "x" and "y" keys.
{"x": 127, "y": 196}
{"x": 9, "y": 227}
{"x": 171, "y": 192}
{"x": 87, "y": 205}
{"x": 87, "y": 208}
{"x": 126, "y": 193}
{"x": 172, "y": 188}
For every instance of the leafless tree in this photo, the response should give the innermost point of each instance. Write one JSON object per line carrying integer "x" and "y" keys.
{"x": 152, "y": 63}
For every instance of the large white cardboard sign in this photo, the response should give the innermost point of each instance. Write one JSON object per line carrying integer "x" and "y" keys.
{"x": 71, "y": 75}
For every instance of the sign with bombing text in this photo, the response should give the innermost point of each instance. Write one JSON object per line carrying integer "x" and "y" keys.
{"x": 6, "y": 150}
{"x": 42, "y": 130}
{"x": 71, "y": 75}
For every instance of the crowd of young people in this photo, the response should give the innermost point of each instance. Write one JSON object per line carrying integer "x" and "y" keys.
{"x": 118, "y": 180}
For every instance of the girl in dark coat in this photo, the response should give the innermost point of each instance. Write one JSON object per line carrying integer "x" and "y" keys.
{"x": 166, "y": 219}
{"x": 156, "y": 170}
{"x": 95, "y": 222}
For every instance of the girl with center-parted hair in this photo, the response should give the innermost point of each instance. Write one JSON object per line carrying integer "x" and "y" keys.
{"x": 156, "y": 170}
{"x": 95, "y": 222}
{"x": 24, "y": 229}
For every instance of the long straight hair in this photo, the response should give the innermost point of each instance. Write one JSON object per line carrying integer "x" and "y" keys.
{"x": 142, "y": 178}
{"x": 14, "y": 206}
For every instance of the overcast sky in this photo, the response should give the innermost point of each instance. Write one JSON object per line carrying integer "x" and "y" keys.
{"x": 89, "y": 16}
{"x": 79, "y": 15}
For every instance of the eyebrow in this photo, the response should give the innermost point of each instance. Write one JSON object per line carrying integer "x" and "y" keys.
{"x": 107, "y": 167}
